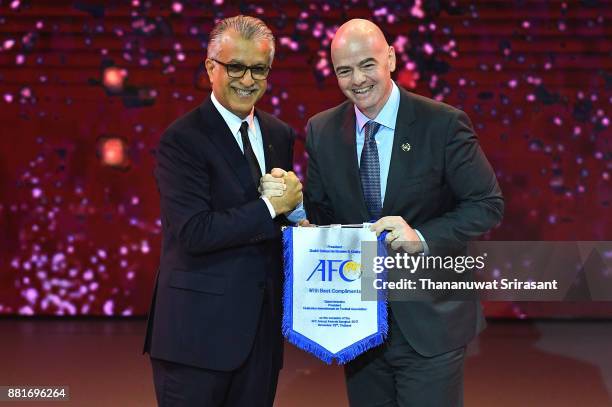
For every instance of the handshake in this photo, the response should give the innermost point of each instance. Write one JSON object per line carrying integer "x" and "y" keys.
{"x": 283, "y": 189}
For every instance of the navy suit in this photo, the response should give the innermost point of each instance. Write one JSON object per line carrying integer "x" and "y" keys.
{"x": 221, "y": 250}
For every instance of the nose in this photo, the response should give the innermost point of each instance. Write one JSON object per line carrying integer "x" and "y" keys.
{"x": 247, "y": 79}
{"x": 358, "y": 77}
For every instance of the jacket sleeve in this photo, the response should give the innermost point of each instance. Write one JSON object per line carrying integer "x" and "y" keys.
{"x": 184, "y": 186}
{"x": 480, "y": 204}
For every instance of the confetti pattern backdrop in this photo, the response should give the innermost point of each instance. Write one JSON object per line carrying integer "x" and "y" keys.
{"x": 87, "y": 87}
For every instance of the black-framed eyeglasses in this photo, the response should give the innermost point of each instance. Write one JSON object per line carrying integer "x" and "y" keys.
{"x": 237, "y": 71}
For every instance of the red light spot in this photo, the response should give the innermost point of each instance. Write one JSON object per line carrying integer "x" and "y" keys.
{"x": 113, "y": 152}
{"x": 113, "y": 78}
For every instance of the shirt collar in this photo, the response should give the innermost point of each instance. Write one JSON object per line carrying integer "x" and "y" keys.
{"x": 233, "y": 122}
{"x": 388, "y": 114}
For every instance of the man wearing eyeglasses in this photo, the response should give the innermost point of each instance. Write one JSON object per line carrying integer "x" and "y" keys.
{"x": 214, "y": 329}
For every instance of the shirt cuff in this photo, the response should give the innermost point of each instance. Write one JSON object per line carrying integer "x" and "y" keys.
{"x": 298, "y": 214}
{"x": 270, "y": 207}
{"x": 422, "y": 239}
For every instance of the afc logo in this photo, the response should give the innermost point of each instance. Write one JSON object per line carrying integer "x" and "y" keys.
{"x": 348, "y": 270}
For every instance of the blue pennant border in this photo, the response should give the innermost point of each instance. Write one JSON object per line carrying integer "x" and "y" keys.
{"x": 350, "y": 352}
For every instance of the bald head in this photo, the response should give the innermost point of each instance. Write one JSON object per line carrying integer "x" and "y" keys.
{"x": 357, "y": 31}
{"x": 363, "y": 62}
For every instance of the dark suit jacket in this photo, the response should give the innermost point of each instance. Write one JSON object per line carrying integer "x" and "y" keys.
{"x": 221, "y": 250}
{"x": 443, "y": 186}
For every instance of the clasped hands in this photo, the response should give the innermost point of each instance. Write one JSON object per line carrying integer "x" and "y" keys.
{"x": 282, "y": 188}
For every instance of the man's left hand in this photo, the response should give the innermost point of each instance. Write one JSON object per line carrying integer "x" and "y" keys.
{"x": 400, "y": 235}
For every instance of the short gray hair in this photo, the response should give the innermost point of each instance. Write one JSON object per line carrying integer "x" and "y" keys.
{"x": 249, "y": 28}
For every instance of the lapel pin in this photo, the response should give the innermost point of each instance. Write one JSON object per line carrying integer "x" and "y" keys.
{"x": 406, "y": 147}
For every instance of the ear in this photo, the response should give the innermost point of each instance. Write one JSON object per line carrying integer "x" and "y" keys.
{"x": 391, "y": 59}
{"x": 209, "y": 64}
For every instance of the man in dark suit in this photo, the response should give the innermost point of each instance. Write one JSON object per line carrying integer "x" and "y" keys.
{"x": 214, "y": 329}
{"x": 415, "y": 166}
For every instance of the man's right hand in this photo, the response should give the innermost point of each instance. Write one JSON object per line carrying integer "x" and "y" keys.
{"x": 292, "y": 196}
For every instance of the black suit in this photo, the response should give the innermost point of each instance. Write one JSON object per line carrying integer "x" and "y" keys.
{"x": 221, "y": 253}
{"x": 439, "y": 181}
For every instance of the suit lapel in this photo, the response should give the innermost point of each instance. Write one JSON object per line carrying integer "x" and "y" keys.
{"x": 402, "y": 162}
{"x": 347, "y": 158}
{"x": 268, "y": 139}
{"x": 220, "y": 135}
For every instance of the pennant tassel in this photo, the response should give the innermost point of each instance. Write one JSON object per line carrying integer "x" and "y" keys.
{"x": 348, "y": 353}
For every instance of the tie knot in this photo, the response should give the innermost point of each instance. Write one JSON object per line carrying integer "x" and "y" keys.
{"x": 371, "y": 128}
{"x": 244, "y": 128}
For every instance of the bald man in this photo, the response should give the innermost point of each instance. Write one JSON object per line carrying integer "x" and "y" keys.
{"x": 414, "y": 166}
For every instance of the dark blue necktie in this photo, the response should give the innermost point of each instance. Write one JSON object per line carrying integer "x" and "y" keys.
{"x": 369, "y": 171}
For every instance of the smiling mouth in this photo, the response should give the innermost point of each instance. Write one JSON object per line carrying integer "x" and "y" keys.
{"x": 244, "y": 93}
{"x": 362, "y": 91}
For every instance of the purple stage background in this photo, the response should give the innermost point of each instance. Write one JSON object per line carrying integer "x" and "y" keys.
{"x": 83, "y": 82}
